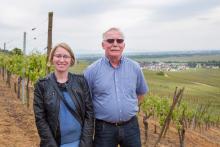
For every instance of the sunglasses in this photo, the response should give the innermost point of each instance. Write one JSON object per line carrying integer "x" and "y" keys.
{"x": 113, "y": 40}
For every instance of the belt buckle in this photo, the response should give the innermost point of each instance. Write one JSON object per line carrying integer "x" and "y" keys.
{"x": 116, "y": 124}
{"x": 119, "y": 123}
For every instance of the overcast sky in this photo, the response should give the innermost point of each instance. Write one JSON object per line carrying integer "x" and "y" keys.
{"x": 148, "y": 25}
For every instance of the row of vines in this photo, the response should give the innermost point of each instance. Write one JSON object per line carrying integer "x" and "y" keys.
{"x": 177, "y": 112}
{"x": 27, "y": 68}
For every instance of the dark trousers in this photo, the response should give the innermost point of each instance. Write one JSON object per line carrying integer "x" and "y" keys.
{"x": 110, "y": 135}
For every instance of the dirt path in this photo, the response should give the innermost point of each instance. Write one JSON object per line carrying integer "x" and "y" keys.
{"x": 17, "y": 127}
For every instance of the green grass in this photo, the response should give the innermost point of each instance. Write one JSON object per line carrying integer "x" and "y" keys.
{"x": 79, "y": 67}
{"x": 202, "y": 86}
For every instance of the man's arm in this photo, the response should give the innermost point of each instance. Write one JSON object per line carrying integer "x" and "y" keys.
{"x": 140, "y": 99}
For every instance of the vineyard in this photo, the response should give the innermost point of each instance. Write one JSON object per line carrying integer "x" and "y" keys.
{"x": 164, "y": 120}
{"x": 29, "y": 68}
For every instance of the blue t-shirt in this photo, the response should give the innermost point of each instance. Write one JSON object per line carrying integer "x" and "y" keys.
{"x": 70, "y": 128}
{"x": 115, "y": 90}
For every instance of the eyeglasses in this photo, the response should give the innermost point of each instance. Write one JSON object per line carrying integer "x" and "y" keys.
{"x": 59, "y": 56}
{"x": 119, "y": 41}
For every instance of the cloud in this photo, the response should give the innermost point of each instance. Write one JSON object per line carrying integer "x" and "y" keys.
{"x": 184, "y": 10}
{"x": 148, "y": 25}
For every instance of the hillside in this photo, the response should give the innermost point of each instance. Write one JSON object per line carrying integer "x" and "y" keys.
{"x": 17, "y": 127}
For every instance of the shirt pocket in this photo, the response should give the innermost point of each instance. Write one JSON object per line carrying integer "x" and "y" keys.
{"x": 129, "y": 86}
{"x": 104, "y": 87}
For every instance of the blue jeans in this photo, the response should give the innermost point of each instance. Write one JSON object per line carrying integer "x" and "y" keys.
{"x": 108, "y": 135}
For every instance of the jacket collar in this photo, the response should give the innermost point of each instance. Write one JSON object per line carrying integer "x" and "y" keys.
{"x": 53, "y": 77}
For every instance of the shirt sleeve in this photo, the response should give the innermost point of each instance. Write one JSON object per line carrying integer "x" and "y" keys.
{"x": 142, "y": 87}
{"x": 88, "y": 77}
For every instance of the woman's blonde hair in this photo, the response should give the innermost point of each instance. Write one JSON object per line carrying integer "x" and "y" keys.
{"x": 67, "y": 48}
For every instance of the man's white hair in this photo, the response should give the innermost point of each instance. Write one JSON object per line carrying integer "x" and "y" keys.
{"x": 112, "y": 29}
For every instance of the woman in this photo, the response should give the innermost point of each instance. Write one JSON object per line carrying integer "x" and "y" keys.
{"x": 62, "y": 104}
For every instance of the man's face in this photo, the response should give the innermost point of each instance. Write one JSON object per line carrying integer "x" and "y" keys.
{"x": 113, "y": 44}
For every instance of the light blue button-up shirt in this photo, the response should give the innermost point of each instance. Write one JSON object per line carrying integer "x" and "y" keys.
{"x": 115, "y": 90}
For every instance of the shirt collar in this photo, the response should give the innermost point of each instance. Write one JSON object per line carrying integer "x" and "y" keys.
{"x": 106, "y": 60}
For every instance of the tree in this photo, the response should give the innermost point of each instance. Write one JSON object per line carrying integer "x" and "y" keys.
{"x": 17, "y": 51}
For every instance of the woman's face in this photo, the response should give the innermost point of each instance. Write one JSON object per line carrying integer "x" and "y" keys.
{"x": 61, "y": 60}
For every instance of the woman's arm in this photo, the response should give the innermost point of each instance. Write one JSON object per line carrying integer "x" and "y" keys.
{"x": 43, "y": 128}
{"x": 88, "y": 127}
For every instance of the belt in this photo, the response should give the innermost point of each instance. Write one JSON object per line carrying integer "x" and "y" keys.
{"x": 121, "y": 123}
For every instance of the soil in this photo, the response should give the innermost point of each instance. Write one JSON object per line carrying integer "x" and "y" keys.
{"x": 193, "y": 138}
{"x": 17, "y": 127}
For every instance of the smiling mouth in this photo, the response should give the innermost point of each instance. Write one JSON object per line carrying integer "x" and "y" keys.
{"x": 61, "y": 65}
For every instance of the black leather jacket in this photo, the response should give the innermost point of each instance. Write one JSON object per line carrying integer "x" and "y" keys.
{"x": 46, "y": 108}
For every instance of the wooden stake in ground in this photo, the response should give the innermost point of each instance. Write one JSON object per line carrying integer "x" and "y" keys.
{"x": 49, "y": 38}
{"x": 177, "y": 97}
{"x": 145, "y": 122}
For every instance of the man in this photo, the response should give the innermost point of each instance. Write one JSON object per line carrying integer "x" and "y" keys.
{"x": 117, "y": 85}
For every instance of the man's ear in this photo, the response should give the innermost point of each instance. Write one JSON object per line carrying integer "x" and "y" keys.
{"x": 103, "y": 45}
